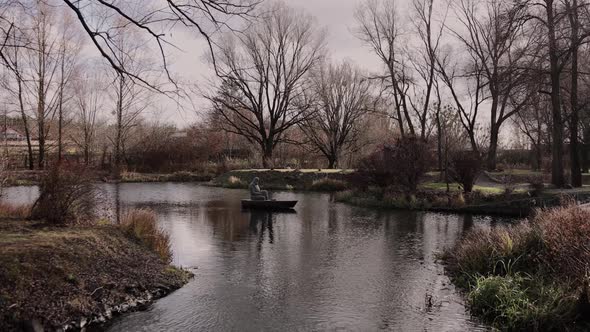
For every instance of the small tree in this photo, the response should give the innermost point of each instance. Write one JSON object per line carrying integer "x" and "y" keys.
{"x": 66, "y": 195}
{"x": 465, "y": 167}
{"x": 374, "y": 170}
{"x": 401, "y": 164}
{"x": 410, "y": 160}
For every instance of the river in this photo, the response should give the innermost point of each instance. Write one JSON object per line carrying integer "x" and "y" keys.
{"x": 328, "y": 266}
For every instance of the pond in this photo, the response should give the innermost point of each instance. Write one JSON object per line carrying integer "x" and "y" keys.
{"x": 328, "y": 266}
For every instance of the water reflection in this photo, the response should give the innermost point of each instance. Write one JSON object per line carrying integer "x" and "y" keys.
{"x": 327, "y": 267}
{"x": 261, "y": 225}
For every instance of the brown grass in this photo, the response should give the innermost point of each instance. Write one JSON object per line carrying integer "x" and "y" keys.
{"x": 141, "y": 224}
{"x": 555, "y": 243}
{"x": 14, "y": 211}
{"x": 566, "y": 234}
{"x": 328, "y": 184}
{"x": 534, "y": 271}
{"x": 58, "y": 275}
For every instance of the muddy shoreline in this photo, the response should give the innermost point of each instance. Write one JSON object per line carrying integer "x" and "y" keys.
{"x": 76, "y": 278}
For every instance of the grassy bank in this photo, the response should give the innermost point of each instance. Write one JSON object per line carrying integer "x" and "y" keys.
{"x": 53, "y": 277}
{"x": 433, "y": 196}
{"x": 529, "y": 276}
{"x": 287, "y": 179}
{"x": 29, "y": 178}
{"x": 133, "y": 177}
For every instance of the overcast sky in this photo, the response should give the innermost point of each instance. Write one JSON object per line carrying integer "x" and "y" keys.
{"x": 337, "y": 16}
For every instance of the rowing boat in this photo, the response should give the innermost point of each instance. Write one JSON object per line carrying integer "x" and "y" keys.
{"x": 268, "y": 205}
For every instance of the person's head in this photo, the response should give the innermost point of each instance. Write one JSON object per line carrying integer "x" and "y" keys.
{"x": 255, "y": 181}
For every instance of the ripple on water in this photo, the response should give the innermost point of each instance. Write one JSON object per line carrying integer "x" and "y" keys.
{"x": 327, "y": 267}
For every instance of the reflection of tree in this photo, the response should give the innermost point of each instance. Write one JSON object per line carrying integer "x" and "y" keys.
{"x": 467, "y": 222}
{"x": 262, "y": 220}
{"x": 118, "y": 203}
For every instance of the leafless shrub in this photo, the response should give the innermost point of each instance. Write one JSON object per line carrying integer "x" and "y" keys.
{"x": 67, "y": 194}
{"x": 465, "y": 167}
{"x": 402, "y": 164}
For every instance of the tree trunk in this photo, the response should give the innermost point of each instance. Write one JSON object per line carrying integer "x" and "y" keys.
{"x": 332, "y": 162}
{"x": 41, "y": 138}
{"x": 576, "y": 169}
{"x": 31, "y": 161}
{"x": 60, "y": 110}
{"x": 267, "y": 150}
{"x": 439, "y": 145}
{"x": 493, "y": 149}
{"x": 118, "y": 137}
{"x": 557, "y": 173}
{"x": 41, "y": 108}
{"x": 538, "y": 157}
{"x": 473, "y": 141}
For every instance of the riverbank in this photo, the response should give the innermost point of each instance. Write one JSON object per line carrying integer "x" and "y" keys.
{"x": 490, "y": 196}
{"x": 530, "y": 276}
{"x": 288, "y": 179}
{"x": 518, "y": 204}
{"x": 56, "y": 277}
{"x": 30, "y": 178}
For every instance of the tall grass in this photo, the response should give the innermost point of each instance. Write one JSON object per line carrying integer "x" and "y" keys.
{"x": 14, "y": 211}
{"x": 534, "y": 272}
{"x": 235, "y": 182}
{"x": 328, "y": 184}
{"x": 141, "y": 224}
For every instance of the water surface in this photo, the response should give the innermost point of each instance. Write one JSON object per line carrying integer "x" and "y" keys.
{"x": 328, "y": 266}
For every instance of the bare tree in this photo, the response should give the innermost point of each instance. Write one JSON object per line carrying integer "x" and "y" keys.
{"x": 499, "y": 48}
{"x": 564, "y": 34}
{"x": 11, "y": 54}
{"x": 425, "y": 62}
{"x": 262, "y": 72}
{"x": 467, "y": 106}
{"x": 551, "y": 20}
{"x": 154, "y": 19}
{"x": 577, "y": 38}
{"x": 68, "y": 55}
{"x": 378, "y": 26}
{"x": 534, "y": 121}
{"x": 131, "y": 99}
{"x": 89, "y": 100}
{"x": 43, "y": 72}
{"x": 343, "y": 97}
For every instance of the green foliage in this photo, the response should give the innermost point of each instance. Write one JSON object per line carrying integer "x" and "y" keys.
{"x": 518, "y": 302}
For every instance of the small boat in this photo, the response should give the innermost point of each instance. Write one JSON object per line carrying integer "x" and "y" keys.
{"x": 268, "y": 205}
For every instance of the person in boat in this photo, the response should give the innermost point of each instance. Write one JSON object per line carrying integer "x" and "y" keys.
{"x": 255, "y": 193}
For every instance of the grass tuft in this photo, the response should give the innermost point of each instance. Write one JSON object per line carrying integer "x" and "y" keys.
{"x": 14, "y": 211}
{"x": 527, "y": 276}
{"x": 141, "y": 224}
{"x": 328, "y": 184}
{"x": 235, "y": 183}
